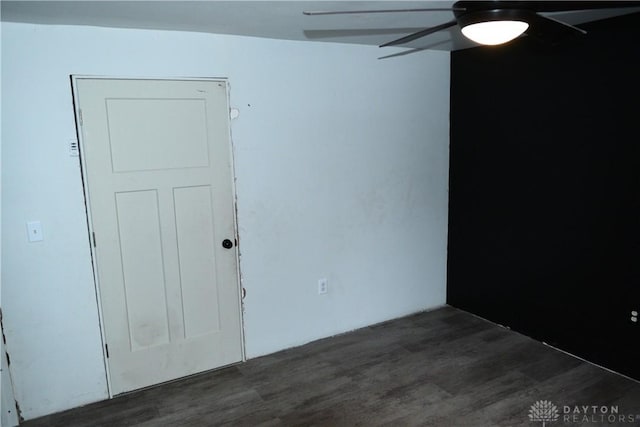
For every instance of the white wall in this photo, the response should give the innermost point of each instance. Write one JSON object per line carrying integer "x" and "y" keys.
{"x": 8, "y": 413}
{"x": 342, "y": 172}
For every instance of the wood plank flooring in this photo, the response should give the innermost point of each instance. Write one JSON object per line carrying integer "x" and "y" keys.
{"x": 439, "y": 368}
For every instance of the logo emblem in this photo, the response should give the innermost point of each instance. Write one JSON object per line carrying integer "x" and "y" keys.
{"x": 544, "y": 411}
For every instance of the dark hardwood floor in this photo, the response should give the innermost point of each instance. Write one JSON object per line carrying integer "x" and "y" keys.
{"x": 438, "y": 368}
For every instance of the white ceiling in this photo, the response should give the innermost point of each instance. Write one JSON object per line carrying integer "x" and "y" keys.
{"x": 271, "y": 19}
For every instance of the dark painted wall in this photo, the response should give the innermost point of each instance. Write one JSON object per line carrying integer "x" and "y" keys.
{"x": 544, "y": 222}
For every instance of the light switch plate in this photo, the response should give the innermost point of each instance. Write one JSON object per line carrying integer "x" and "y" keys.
{"x": 34, "y": 230}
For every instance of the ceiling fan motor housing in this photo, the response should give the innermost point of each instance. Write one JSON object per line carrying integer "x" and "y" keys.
{"x": 469, "y": 17}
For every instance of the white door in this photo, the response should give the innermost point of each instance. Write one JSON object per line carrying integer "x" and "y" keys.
{"x": 158, "y": 173}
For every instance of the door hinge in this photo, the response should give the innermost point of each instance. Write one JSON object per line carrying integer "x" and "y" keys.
{"x": 80, "y": 117}
{"x": 93, "y": 234}
{"x": 106, "y": 349}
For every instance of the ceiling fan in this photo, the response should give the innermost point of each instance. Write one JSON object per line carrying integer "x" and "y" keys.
{"x": 498, "y": 22}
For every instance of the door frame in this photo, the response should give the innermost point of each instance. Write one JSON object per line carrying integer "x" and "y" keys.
{"x": 85, "y": 190}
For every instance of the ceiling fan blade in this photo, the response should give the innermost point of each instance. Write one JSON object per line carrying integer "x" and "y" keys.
{"x": 403, "y": 53}
{"x": 566, "y": 6}
{"x": 551, "y": 30}
{"x": 420, "y": 34}
{"x": 412, "y": 51}
{"x": 360, "y": 32}
{"x": 556, "y": 21}
{"x": 352, "y": 12}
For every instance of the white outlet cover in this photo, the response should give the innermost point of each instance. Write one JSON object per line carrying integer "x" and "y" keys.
{"x": 34, "y": 231}
{"x": 323, "y": 286}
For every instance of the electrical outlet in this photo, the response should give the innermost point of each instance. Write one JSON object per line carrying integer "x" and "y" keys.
{"x": 634, "y": 316}
{"x": 34, "y": 231}
{"x": 323, "y": 286}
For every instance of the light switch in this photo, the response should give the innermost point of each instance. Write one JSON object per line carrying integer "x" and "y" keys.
{"x": 34, "y": 230}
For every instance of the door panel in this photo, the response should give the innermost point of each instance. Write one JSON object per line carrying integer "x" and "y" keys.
{"x": 148, "y": 134}
{"x": 142, "y": 268}
{"x": 196, "y": 254}
{"x": 159, "y": 183}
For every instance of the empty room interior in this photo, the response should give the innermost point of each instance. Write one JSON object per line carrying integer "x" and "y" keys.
{"x": 236, "y": 213}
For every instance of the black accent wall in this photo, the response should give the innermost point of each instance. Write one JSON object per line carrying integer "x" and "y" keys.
{"x": 544, "y": 199}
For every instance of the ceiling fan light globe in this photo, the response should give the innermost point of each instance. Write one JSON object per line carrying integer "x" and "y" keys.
{"x": 494, "y": 32}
